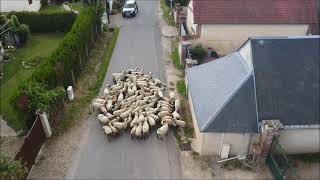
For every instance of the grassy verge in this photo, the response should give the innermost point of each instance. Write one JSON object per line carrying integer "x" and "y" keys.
{"x": 39, "y": 45}
{"x": 74, "y": 109}
{"x": 182, "y": 88}
{"x": 176, "y": 59}
{"x": 308, "y": 158}
{"x": 166, "y": 13}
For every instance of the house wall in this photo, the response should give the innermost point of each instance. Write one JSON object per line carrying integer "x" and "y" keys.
{"x": 192, "y": 28}
{"x": 239, "y": 142}
{"x": 211, "y": 143}
{"x": 19, "y": 5}
{"x": 226, "y": 38}
{"x": 296, "y": 141}
{"x": 197, "y": 144}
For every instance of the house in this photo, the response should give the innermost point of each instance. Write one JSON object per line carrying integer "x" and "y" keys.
{"x": 20, "y": 5}
{"x": 266, "y": 79}
{"x": 226, "y": 25}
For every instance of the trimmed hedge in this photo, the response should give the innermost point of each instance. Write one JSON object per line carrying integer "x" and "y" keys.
{"x": 40, "y": 22}
{"x": 56, "y": 70}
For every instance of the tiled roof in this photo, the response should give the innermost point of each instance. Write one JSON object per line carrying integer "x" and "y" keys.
{"x": 210, "y": 97}
{"x": 254, "y": 11}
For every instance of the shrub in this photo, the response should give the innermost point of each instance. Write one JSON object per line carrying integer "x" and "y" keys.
{"x": 43, "y": 22}
{"x": 23, "y": 32}
{"x": 40, "y": 90}
{"x": 44, "y": 2}
{"x": 15, "y": 20}
{"x": 3, "y": 19}
{"x": 11, "y": 169}
{"x": 198, "y": 52}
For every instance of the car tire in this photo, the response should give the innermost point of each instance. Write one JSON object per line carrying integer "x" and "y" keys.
{"x": 123, "y": 15}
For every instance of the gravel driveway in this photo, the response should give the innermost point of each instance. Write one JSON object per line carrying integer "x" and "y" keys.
{"x": 138, "y": 45}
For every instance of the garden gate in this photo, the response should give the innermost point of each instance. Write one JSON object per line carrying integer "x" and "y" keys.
{"x": 279, "y": 164}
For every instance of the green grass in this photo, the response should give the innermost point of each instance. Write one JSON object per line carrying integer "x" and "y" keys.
{"x": 38, "y": 45}
{"x": 308, "y": 158}
{"x": 166, "y": 13}
{"x": 175, "y": 58}
{"x": 51, "y": 8}
{"x": 75, "y": 108}
{"x": 182, "y": 88}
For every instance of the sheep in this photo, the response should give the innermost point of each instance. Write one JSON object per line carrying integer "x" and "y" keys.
{"x": 145, "y": 128}
{"x": 162, "y": 131}
{"x": 138, "y": 131}
{"x": 107, "y": 131}
{"x": 181, "y": 123}
{"x": 175, "y": 115}
{"x": 137, "y": 101}
{"x": 96, "y": 106}
{"x": 101, "y": 101}
{"x": 103, "y": 119}
{"x": 163, "y": 113}
{"x": 133, "y": 131}
{"x": 119, "y": 125}
{"x": 177, "y": 104}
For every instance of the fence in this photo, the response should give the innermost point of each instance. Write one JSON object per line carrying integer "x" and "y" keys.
{"x": 36, "y": 136}
{"x": 279, "y": 164}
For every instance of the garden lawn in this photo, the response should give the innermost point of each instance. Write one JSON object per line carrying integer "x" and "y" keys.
{"x": 14, "y": 73}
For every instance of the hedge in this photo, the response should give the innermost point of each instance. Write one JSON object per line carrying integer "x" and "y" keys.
{"x": 55, "y": 70}
{"x": 40, "y": 22}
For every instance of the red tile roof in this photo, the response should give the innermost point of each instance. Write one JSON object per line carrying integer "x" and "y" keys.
{"x": 254, "y": 11}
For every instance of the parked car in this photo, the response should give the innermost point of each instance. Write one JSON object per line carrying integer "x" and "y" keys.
{"x": 130, "y": 8}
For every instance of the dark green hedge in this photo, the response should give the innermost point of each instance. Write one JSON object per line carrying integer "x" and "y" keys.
{"x": 55, "y": 70}
{"x": 39, "y": 22}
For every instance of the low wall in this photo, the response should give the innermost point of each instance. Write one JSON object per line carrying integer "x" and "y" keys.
{"x": 297, "y": 141}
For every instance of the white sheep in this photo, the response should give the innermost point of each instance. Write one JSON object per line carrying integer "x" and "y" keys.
{"x": 145, "y": 128}
{"x": 96, "y": 106}
{"x": 181, "y": 123}
{"x": 103, "y": 119}
{"x": 162, "y": 131}
{"x": 107, "y": 131}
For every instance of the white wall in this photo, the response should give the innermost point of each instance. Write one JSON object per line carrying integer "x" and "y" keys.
{"x": 297, "y": 141}
{"x": 192, "y": 28}
{"x": 197, "y": 144}
{"x": 19, "y": 5}
{"x": 246, "y": 54}
{"x": 226, "y": 38}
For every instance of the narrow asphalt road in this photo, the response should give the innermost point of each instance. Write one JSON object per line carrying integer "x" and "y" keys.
{"x": 138, "y": 45}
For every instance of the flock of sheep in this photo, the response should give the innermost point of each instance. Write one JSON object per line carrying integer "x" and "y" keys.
{"x": 137, "y": 101}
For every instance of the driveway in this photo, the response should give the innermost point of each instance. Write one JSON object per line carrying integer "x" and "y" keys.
{"x": 138, "y": 45}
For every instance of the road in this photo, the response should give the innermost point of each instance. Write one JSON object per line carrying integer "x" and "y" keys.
{"x": 138, "y": 45}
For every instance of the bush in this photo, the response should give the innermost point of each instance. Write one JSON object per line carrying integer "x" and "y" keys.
{"x": 15, "y": 20}
{"x": 44, "y": 2}
{"x": 11, "y": 169}
{"x": 44, "y": 22}
{"x": 56, "y": 69}
{"x": 23, "y": 32}
{"x": 198, "y": 52}
{"x": 3, "y": 19}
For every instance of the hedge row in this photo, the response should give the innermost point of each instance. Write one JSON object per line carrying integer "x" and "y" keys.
{"x": 40, "y": 22}
{"x": 64, "y": 63}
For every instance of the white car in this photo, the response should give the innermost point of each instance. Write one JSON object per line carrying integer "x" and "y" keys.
{"x": 130, "y": 8}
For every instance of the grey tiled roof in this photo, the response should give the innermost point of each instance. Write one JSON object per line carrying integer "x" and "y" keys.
{"x": 284, "y": 84}
{"x": 213, "y": 84}
{"x": 287, "y": 79}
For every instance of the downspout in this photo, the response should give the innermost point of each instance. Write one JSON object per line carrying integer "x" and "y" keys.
{"x": 221, "y": 143}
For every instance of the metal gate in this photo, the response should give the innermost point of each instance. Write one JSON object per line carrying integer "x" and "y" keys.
{"x": 279, "y": 164}
{"x": 32, "y": 144}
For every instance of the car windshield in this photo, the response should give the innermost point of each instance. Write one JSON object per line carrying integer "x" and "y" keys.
{"x": 131, "y": 5}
